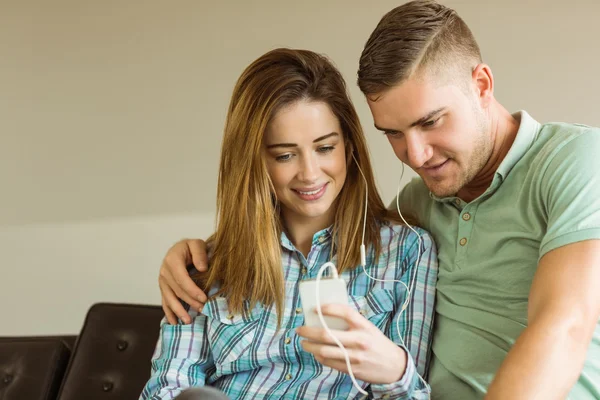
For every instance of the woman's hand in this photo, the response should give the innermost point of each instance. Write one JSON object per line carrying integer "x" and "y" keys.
{"x": 374, "y": 358}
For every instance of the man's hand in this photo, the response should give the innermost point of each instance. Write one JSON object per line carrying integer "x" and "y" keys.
{"x": 374, "y": 358}
{"x": 175, "y": 282}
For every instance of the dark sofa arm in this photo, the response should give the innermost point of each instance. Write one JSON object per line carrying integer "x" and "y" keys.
{"x": 32, "y": 368}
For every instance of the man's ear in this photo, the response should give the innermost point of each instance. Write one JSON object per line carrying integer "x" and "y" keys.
{"x": 484, "y": 84}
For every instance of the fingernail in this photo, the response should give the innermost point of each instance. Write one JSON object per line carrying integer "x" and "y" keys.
{"x": 200, "y": 308}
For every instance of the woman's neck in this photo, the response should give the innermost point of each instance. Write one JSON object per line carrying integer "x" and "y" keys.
{"x": 301, "y": 230}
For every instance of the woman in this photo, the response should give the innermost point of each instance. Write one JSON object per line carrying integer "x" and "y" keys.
{"x": 293, "y": 178}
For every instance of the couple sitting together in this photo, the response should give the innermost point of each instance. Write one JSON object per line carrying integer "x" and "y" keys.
{"x": 513, "y": 206}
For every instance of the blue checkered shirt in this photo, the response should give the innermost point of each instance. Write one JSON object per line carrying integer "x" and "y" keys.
{"x": 246, "y": 357}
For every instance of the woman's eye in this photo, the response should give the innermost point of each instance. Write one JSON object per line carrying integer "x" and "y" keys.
{"x": 326, "y": 149}
{"x": 283, "y": 158}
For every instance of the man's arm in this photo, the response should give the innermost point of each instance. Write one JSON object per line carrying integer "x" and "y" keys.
{"x": 564, "y": 308}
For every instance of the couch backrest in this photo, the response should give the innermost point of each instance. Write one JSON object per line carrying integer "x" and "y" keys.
{"x": 111, "y": 359}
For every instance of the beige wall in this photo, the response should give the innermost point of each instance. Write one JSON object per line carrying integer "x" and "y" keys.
{"x": 111, "y": 115}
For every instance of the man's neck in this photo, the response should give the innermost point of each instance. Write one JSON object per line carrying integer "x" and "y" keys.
{"x": 503, "y": 131}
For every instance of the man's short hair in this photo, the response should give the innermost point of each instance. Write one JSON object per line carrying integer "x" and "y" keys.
{"x": 419, "y": 36}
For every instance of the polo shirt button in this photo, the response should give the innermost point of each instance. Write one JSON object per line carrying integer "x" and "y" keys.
{"x": 463, "y": 241}
{"x": 457, "y": 202}
{"x": 298, "y": 310}
{"x": 288, "y": 377}
{"x": 322, "y": 238}
{"x": 288, "y": 340}
{"x": 385, "y": 396}
{"x": 466, "y": 216}
{"x": 230, "y": 316}
{"x": 303, "y": 270}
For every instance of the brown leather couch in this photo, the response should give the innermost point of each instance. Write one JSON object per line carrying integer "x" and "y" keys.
{"x": 110, "y": 359}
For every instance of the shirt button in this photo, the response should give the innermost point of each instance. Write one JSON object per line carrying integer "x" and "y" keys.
{"x": 466, "y": 216}
{"x": 303, "y": 270}
{"x": 385, "y": 396}
{"x": 457, "y": 202}
{"x": 230, "y": 316}
{"x": 288, "y": 340}
{"x": 463, "y": 241}
{"x": 362, "y": 311}
{"x": 298, "y": 310}
{"x": 288, "y": 377}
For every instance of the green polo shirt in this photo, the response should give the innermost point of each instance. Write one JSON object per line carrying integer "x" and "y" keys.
{"x": 544, "y": 195}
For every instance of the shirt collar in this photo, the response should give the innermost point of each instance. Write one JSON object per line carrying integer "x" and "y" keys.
{"x": 526, "y": 135}
{"x": 319, "y": 238}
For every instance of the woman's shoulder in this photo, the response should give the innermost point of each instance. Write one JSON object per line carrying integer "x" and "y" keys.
{"x": 408, "y": 244}
{"x": 395, "y": 234}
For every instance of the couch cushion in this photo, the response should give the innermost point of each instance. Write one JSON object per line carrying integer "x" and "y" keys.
{"x": 32, "y": 368}
{"x": 69, "y": 341}
{"x": 112, "y": 355}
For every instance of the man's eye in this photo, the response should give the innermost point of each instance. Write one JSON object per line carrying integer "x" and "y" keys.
{"x": 430, "y": 123}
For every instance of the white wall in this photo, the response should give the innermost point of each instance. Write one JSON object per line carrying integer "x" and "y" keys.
{"x": 52, "y": 273}
{"x": 111, "y": 116}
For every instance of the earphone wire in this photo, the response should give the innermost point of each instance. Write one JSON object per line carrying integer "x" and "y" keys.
{"x": 329, "y": 332}
{"x": 409, "y": 288}
{"x": 412, "y": 279}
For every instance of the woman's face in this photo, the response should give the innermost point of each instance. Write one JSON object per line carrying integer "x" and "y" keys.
{"x": 306, "y": 161}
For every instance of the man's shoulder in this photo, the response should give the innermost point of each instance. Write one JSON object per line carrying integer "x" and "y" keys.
{"x": 414, "y": 202}
{"x": 415, "y": 196}
{"x": 566, "y": 148}
{"x": 558, "y": 145}
{"x": 414, "y": 191}
{"x": 567, "y": 128}
{"x": 555, "y": 136}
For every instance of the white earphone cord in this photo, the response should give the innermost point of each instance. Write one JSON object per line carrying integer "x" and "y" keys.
{"x": 363, "y": 263}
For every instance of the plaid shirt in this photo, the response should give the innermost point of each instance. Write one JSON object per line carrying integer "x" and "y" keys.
{"x": 246, "y": 357}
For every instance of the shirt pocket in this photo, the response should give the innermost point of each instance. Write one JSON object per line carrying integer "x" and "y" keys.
{"x": 376, "y": 306}
{"x": 231, "y": 336}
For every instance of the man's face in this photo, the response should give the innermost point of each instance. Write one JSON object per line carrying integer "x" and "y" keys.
{"x": 439, "y": 130}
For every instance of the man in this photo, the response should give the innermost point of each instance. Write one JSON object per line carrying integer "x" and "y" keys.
{"x": 513, "y": 205}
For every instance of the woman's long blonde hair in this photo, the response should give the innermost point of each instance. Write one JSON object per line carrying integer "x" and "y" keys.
{"x": 245, "y": 249}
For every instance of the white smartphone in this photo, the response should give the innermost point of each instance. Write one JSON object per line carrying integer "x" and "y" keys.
{"x": 331, "y": 291}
